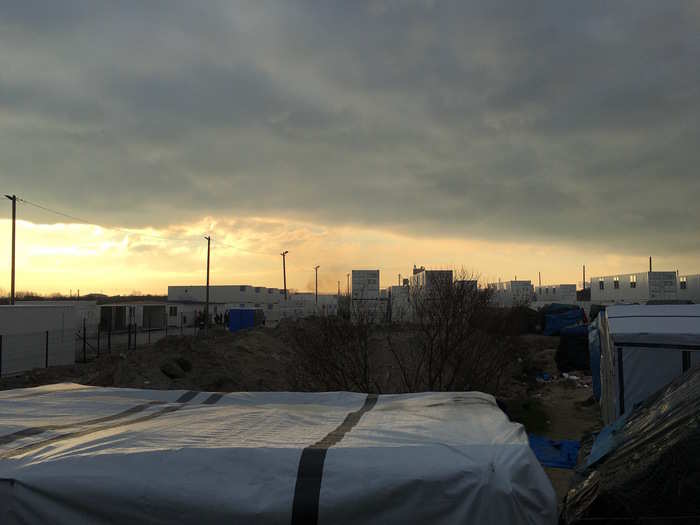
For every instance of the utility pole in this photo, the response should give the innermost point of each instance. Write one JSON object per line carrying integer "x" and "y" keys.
{"x": 539, "y": 276}
{"x": 399, "y": 279}
{"x": 584, "y": 276}
{"x": 14, "y": 230}
{"x": 13, "y": 198}
{"x": 338, "y": 288}
{"x": 316, "y": 270}
{"x": 206, "y": 306}
{"x": 348, "y": 276}
{"x": 284, "y": 271}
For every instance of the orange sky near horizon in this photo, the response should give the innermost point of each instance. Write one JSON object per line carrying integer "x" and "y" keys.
{"x": 60, "y": 257}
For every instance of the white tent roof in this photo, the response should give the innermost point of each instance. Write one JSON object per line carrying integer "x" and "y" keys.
{"x": 672, "y": 324}
{"x": 76, "y": 454}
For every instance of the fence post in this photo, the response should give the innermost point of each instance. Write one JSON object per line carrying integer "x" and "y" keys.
{"x": 84, "y": 343}
{"x": 47, "y": 350}
{"x": 149, "y": 331}
{"x": 0, "y": 355}
{"x": 128, "y": 341}
{"x": 98, "y": 340}
{"x": 109, "y": 339}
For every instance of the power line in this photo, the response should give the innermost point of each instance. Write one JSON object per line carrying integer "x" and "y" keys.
{"x": 93, "y": 223}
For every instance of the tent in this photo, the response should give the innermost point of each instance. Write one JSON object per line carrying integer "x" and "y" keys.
{"x": 642, "y": 349}
{"x": 76, "y": 454}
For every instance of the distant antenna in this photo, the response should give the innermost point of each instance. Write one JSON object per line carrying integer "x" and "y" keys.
{"x": 649, "y": 263}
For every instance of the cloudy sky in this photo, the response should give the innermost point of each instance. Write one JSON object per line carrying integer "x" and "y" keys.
{"x": 506, "y": 137}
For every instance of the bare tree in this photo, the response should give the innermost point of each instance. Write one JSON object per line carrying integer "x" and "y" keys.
{"x": 447, "y": 351}
{"x": 333, "y": 353}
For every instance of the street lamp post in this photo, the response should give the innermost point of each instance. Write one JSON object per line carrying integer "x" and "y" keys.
{"x": 284, "y": 271}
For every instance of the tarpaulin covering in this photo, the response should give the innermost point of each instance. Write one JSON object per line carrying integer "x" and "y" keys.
{"x": 645, "y": 467}
{"x": 558, "y": 453}
{"x": 553, "y": 323}
{"x": 76, "y": 454}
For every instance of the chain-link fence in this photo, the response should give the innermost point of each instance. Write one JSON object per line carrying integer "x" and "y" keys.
{"x": 91, "y": 342}
{"x": 42, "y": 349}
{"x": 20, "y": 352}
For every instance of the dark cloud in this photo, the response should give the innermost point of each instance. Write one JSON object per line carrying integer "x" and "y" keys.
{"x": 501, "y": 120}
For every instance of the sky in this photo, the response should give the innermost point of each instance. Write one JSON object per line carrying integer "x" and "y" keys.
{"x": 508, "y": 138}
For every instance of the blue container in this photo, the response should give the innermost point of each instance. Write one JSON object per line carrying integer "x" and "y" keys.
{"x": 241, "y": 318}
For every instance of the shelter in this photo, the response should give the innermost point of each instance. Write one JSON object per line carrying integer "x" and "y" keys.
{"x": 642, "y": 349}
{"x": 77, "y": 454}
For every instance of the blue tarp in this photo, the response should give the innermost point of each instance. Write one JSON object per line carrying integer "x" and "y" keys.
{"x": 606, "y": 441}
{"x": 594, "y": 355}
{"x": 557, "y": 453}
{"x": 553, "y": 323}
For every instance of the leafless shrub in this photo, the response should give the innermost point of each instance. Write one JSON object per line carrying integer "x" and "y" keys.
{"x": 448, "y": 351}
{"x": 440, "y": 347}
{"x": 333, "y": 353}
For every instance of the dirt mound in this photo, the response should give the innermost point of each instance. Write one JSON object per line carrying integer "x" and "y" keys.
{"x": 246, "y": 361}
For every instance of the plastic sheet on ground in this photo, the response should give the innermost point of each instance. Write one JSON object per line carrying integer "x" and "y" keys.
{"x": 645, "y": 467}
{"x": 557, "y": 453}
{"x": 76, "y": 454}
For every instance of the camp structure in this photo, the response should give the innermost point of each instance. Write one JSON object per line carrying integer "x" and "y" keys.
{"x": 75, "y": 454}
{"x": 642, "y": 349}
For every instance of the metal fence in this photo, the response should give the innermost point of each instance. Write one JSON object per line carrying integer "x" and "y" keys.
{"x": 26, "y": 351}
{"x": 20, "y": 352}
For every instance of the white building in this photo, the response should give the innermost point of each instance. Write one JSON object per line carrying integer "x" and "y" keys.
{"x": 36, "y": 335}
{"x": 556, "y": 293}
{"x": 365, "y": 285}
{"x": 689, "y": 288}
{"x": 638, "y": 287}
{"x": 87, "y": 311}
{"x": 399, "y": 301}
{"x": 118, "y": 317}
{"x": 512, "y": 293}
{"x": 429, "y": 279}
{"x": 186, "y": 302}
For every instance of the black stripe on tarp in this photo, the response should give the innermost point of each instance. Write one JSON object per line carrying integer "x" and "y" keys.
{"x": 212, "y": 399}
{"x": 187, "y": 396}
{"x": 308, "y": 486}
{"x": 85, "y": 432}
{"x": 33, "y": 431}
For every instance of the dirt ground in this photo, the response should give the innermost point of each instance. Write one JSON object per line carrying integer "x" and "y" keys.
{"x": 560, "y": 408}
{"x": 258, "y": 360}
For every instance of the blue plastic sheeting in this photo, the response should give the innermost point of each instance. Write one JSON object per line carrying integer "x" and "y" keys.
{"x": 241, "y": 318}
{"x": 606, "y": 440}
{"x": 553, "y": 323}
{"x": 594, "y": 355}
{"x": 557, "y": 453}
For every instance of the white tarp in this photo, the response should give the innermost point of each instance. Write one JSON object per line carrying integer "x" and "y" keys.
{"x": 643, "y": 348}
{"x": 76, "y": 454}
